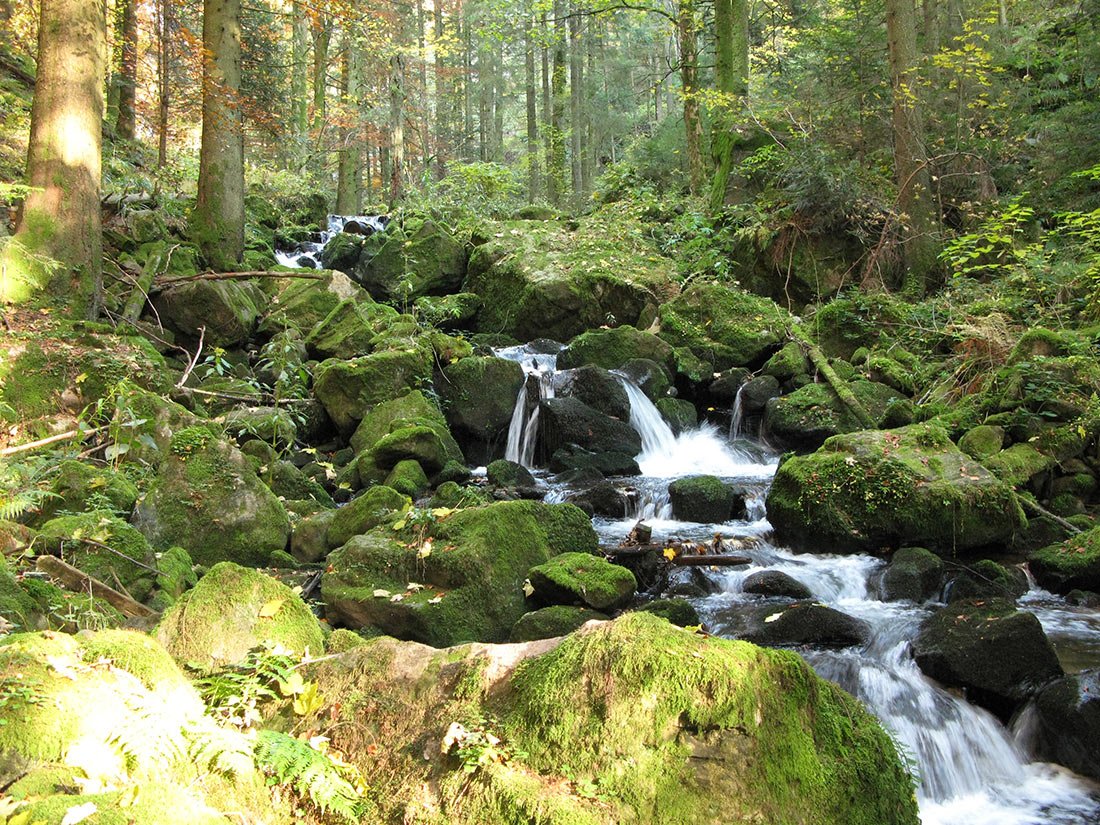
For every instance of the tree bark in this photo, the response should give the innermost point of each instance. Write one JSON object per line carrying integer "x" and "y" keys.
{"x": 576, "y": 90}
{"x": 444, "y": 134}
{"x": 397, "y": 127}
{"x": 349, "y": 184}
{"x": 127, "y": 74}
{"x": 217, "y": 222}
{"x": 322, "y": 37}
{"x": 61, "y": 216}
{"x": 532, "y": 111}
{"x": 556, "y": 170}
{"x": 915, "y": 203}
{"x": 164, "y": 26}
{"x": 731, "y": 47}
{"x": 299, "y": 81}
{"x": 689, "y": 73}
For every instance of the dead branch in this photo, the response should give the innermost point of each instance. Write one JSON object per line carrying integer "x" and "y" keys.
{"x": 80, "y": 582}
{"x": 168, "y": 283}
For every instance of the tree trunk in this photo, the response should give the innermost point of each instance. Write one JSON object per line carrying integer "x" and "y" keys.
{"x": 217, "y": 222}
{"x": 425, "y": 121}
{"x": 61, "y": 216}
{"x": 915, "y": 204}
{"x": 556, "y": 170}
{"x": 299, "y": 81}
{"x": 484, "y": 99}
{"x": 127, "y": 69}
{"x": 731, "y": 47}
{"x": 467, "y": 84}
{"x": 693, "y": 125}
{"x": 164, "y": 27}
{"x": 397, "y": 127}
{"x": 349, "y": 187}
{"x": 532, "y": 112}
{"x": 544, "y": 58}
{"x": 443, "y": 133}
{"x": 322, "y": 36}
{"x": 576, "y": 84}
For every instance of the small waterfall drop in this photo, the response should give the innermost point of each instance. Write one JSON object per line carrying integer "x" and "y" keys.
{"x": 523, "y": 430}
{"x": 737, "y": 415}
{"x": 307, "y": 254}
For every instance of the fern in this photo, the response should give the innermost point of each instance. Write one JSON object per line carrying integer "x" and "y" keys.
{"x": 219, "y": 750}
{"x": 328, "y": 782}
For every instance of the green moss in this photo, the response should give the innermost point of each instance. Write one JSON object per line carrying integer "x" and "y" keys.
{"x": 557, "y": 620}
{"x": 983, "y": 441}
{"x": 724, "y": 327}
{"x": 80, "y": 486}
{"x": 787, "y": 363}
{"x": 231, "y": 610}
{"x": 190, "y": 441}
{"x": 16, "y": 606}
{"x": 1070, "y": 565}
{"x": 152, "y": 804}
{"x": 343, "y": 640}
{"x": 678, "y": 611}
{"x": 809, "y": 752}
{"x": 129, "y": 561}
{"x": 379, "y": 505}
{"x": 611, "y": 348}
{"x": 408, "y": 478}
{"x": 138, "y": 654}
{"x": 581, "y": 577}
{"x": 349, "y": 389}
{"x": 1018, "y": 463}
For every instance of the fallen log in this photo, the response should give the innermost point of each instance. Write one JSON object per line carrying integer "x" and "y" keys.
{"x": 167, "y": 283}
{"x": 711, "y": 561}
{"x": 80, "y": 582}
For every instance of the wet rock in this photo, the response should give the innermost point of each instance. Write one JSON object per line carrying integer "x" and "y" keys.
{"x": 804, "y": 623}
{"x": 987, "y": 579}
{"x": 549, "y": 622}
{"x": 514, "y": 477}
{"x": 572, "y": 578}
{"x": 909, "y": 486}
{"x": 651, "y": 378}
{"x": 996, "y": 654}
{"x": 309, "y": 537}
{"x": 913, "y": 574}
{"x": 574, "y": 459}
{"x": 757, "y": 392}
{"x": 788, "y": 363}
{"x": 565, "y": 421}
{"x": 1073, "y": 564}
{"x": 775, "y": 583}
{"x": 728, "y": 383}
{"x": 602, "y": 499}
{"x": 680, "y": 415}
{"x": 479, "y": 397}
{"x": 808, "y": 416}
{"x": 468, "y": 586}
{"x": 597, "y": 388}
{"x": 208, "y": 499}
{"x": 1068, "y": 714}
{"x": 705, "y": 499}
{"x": 677, "y": 611}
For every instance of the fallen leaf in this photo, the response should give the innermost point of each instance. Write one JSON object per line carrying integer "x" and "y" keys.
{"x": 381, "y": 594}
{"x": 78, "y": 813}
{"x": 773, "y": 617}
{"x": 269, "y": 609}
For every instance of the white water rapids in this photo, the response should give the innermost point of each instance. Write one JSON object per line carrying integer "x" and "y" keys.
{"x": 968, "y": 767}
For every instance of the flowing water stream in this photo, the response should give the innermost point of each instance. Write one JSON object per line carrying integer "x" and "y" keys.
{"x": 970, "y": 769}
{"x": 307, "y": 255}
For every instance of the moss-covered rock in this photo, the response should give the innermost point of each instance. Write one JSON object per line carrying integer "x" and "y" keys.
{"x": 273, "y": 425}
{"x": 705, "y": 499}
{"x": 803, "y": 623}
{"x": 291, "y": 484}
{"x": 539, "y": 280}
{"x": 309, "y": 536}
{"x": 597, "y": 388}
{"x": 232, "y": 610}
{"x": 106, "y": 548}
{"x": 208, "y": 499}
{"x": 415, "y": 258}
{"x": 675, "y": 610}
{"x": 678, "y": 413}
{"x": 479, "y": 396}
{"x": 724, "y": 327}
{"x": 613, "y": 347}
{"x": 998, "y": 655}
{"x": 1073, "y": 564}
{"x": 145, "y": 422}
{"x": 467, "y": 586}
{"x": 987, "y": 579}
{"x": 813, "y": 413}
{"x": 1068, "y": 714}
{"x": 349, "y": 389}
{"x": 228, "y": 310}
{"x": 775, "y": 583}
{"x": 377, "y": 506}
{"x": 1057, "y": 389}
{"x": 549, "y": 622}
{"x": 667, "y": 726}
{"x": 349, "y": 330}
{"x": 510, "y": 476}
{"x": 17, "y": 608}
{"x": 913, "y": 574}
{"x": 408, "y": 478}
{"x": 80, "y": 486}
{"x": 572, "y": 578}
{"x": 909, "y": 486}
{"x": 455, "y": 311}
{"x": 175, "y": 572}
{"x": 302, "y": 304}
{"x": 788, "y": 363}
{"x": 983, "y": 441}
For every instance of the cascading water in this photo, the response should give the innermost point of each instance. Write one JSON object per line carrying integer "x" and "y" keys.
{"x": 539, "y": 368}
{"x": 307, "y": 255}
{"x": 737, "y": 415}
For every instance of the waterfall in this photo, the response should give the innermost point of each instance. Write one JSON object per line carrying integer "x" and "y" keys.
{"x": 646, "y": 419}
{"x": 312, "y": 251}
{"x": 736, "y": 415}
{"x": 523, "y": 430}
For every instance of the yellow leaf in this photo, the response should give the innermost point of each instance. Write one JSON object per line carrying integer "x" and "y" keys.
{"x": 670, "y": 553}
{"x": 269, "y": 610}
{"x": 308, "y": 701}
{"x": 528, "y": 588}
{"x": 694, "y": 628}
{"x": 292, "y": 686}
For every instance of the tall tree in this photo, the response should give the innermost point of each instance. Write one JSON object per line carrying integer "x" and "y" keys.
{"x": 555, "y": 171}
{"x": 60, "y": 218}
{"x": 530, "y": 94}
{"x": 299, "y": 77}
{"x": 915, "y": 203}
{"x": 349, "y": 179}
{"x": 576, "y": 103}
{"x": 731, "y": 52}
{"x": 217, "y": 222}
{"x": 126, "y": 79}
{"x": 689, "y": 82}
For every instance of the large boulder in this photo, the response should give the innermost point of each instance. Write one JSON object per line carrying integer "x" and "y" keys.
{"x": 569, "y": 421}
{"x": 227, "y": 310}
{"x": 802, "y": 623}
{"x": 408, "y": 261}
{"x": 909, "y": 486}
{"x": 538, "y": 280}
{"x": 1068, "y": 715}
{"x": 775, "y": 584}
{"x": 1073, "y": 564}
{"x": 408, "y": 427}
{"x": 597, "y": 388}
{"x": 913, "y": 574}
{"x": 377, "y": 506}
{"x": 705, "y": 499}
{"x": 548, "y": 622}
{"x": 348, "y": 389}
{"x": 613, "y": 347}
{"x": 582, "y": 578}
{"x": 457, "y": 577}
{"x": 661, "y": 725}
{"x": 303, "y": 303}
{"x": 998, "y": 655}
{"x": 813, "y": 413}
{"x": 479, "y": 396}
{"x": 208, "y": 499}
{"x": 80, "y": 486}
{"x": 231, "y": 611}
{"x": 349, "y": 330}
{"x": 724, "y": 327}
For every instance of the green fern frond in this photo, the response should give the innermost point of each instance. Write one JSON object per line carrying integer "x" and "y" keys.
{"x": 332, "y": 787}
{"x": 220, "y": 750}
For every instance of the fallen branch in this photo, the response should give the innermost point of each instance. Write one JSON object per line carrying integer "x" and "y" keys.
{"x": 1039, "y": 510}
{"x": 68, "y": 435}
{"x": 80, "y": 582}
{"x": 708, "y": 561}
{"x": 101, "y": 546}
{"x": 168, "y": 283}
{"x": 838, "y": 384}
